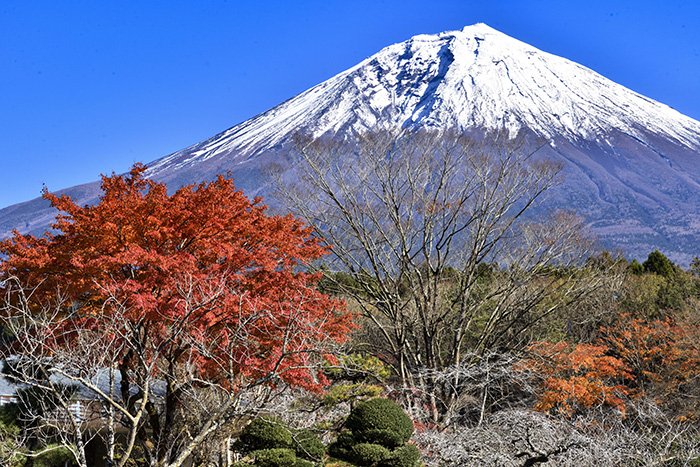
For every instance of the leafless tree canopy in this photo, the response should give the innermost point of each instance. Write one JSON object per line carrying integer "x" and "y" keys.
{"x": 525, "y": 438}
{"x": 431, "y": 230}
{"x": 155, "y": 408}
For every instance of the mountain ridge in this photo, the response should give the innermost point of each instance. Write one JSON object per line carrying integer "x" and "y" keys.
{"x": 632, "y": 164}
{"x": 469, "y": 41}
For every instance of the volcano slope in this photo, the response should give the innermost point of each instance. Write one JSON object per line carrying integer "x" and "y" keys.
{"x": 631, "y": 165}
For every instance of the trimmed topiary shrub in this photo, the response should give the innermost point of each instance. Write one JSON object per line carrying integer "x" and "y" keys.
{"x": 383, "y": 418}
{"x": 59, "y": 455}
{"x": 405, "y": 456}
{"x": 277, "y": 457}
{"x": 368, "y": 454}
{"x": 308, "y": 445}
{"x": 342, "y": 445}
{"x": 379, "y": 430}
{"x": 387, "y": 438}
{"x": 265, "y": 433}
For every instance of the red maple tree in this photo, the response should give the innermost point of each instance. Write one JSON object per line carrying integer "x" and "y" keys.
{"x": 663, "y": 355}
{"x": 208, "y": 283}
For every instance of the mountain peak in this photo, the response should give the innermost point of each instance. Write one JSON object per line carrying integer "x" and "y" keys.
{"x": 631, "y": 161}
{"x": 476, "y": 78}
{"x": 476, "y": 32}
{"x": 480, "y": 28}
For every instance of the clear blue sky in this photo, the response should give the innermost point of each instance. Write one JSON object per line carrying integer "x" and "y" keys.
{"x": 89, "y": 87}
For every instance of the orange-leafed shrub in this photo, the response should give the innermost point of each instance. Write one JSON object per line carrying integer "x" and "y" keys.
{"x": 633, "y": 357}
{"x": 578, "y": 377}
{"x": 661, "y": 353}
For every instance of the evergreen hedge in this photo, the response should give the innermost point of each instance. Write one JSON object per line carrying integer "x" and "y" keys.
{"x": 405, "y": 456}
{"x": 269, "y": 442}
{"x": 275, "y": 457}
{"x": 308, "y": 445}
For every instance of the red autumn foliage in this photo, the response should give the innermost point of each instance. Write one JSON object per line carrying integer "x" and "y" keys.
{"x": 204, "y": 264}
{"x": 578, "y": 377}
{"x": 633, "y": 357}
{"x": 663, "y": 354}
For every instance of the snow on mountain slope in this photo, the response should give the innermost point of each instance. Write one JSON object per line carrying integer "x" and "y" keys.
{"x": 632, "y": 164}
{"x": 476, "y": 77}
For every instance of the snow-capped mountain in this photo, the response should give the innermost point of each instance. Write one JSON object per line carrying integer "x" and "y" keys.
{"x": 632, "y": 164}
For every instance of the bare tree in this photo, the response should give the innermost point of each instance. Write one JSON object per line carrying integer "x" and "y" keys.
{"x": 487, "y": 382}
{"x": 522, "y": 437}
{"x": 73, "y": 369}
{"x": 442, "y": 260}
{"x": 149, "y": 403}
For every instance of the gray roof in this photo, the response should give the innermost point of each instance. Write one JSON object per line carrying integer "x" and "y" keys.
{"x": 6, "y": 387}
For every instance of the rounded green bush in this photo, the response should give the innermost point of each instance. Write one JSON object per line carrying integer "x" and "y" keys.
{"x": 369, "y": 454}
{"x": 277, "y": 457}
{"x": 265, "y": 433}
{"x": 405, "y": 456}
{"x": 380, "y": 414}
{"x": 59, "y": 455}
{"x": 308, "y": 445}
{"x": 387, "y": 438}
{"x": 304, "y": 463}
{"x": 341, "y": 447}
